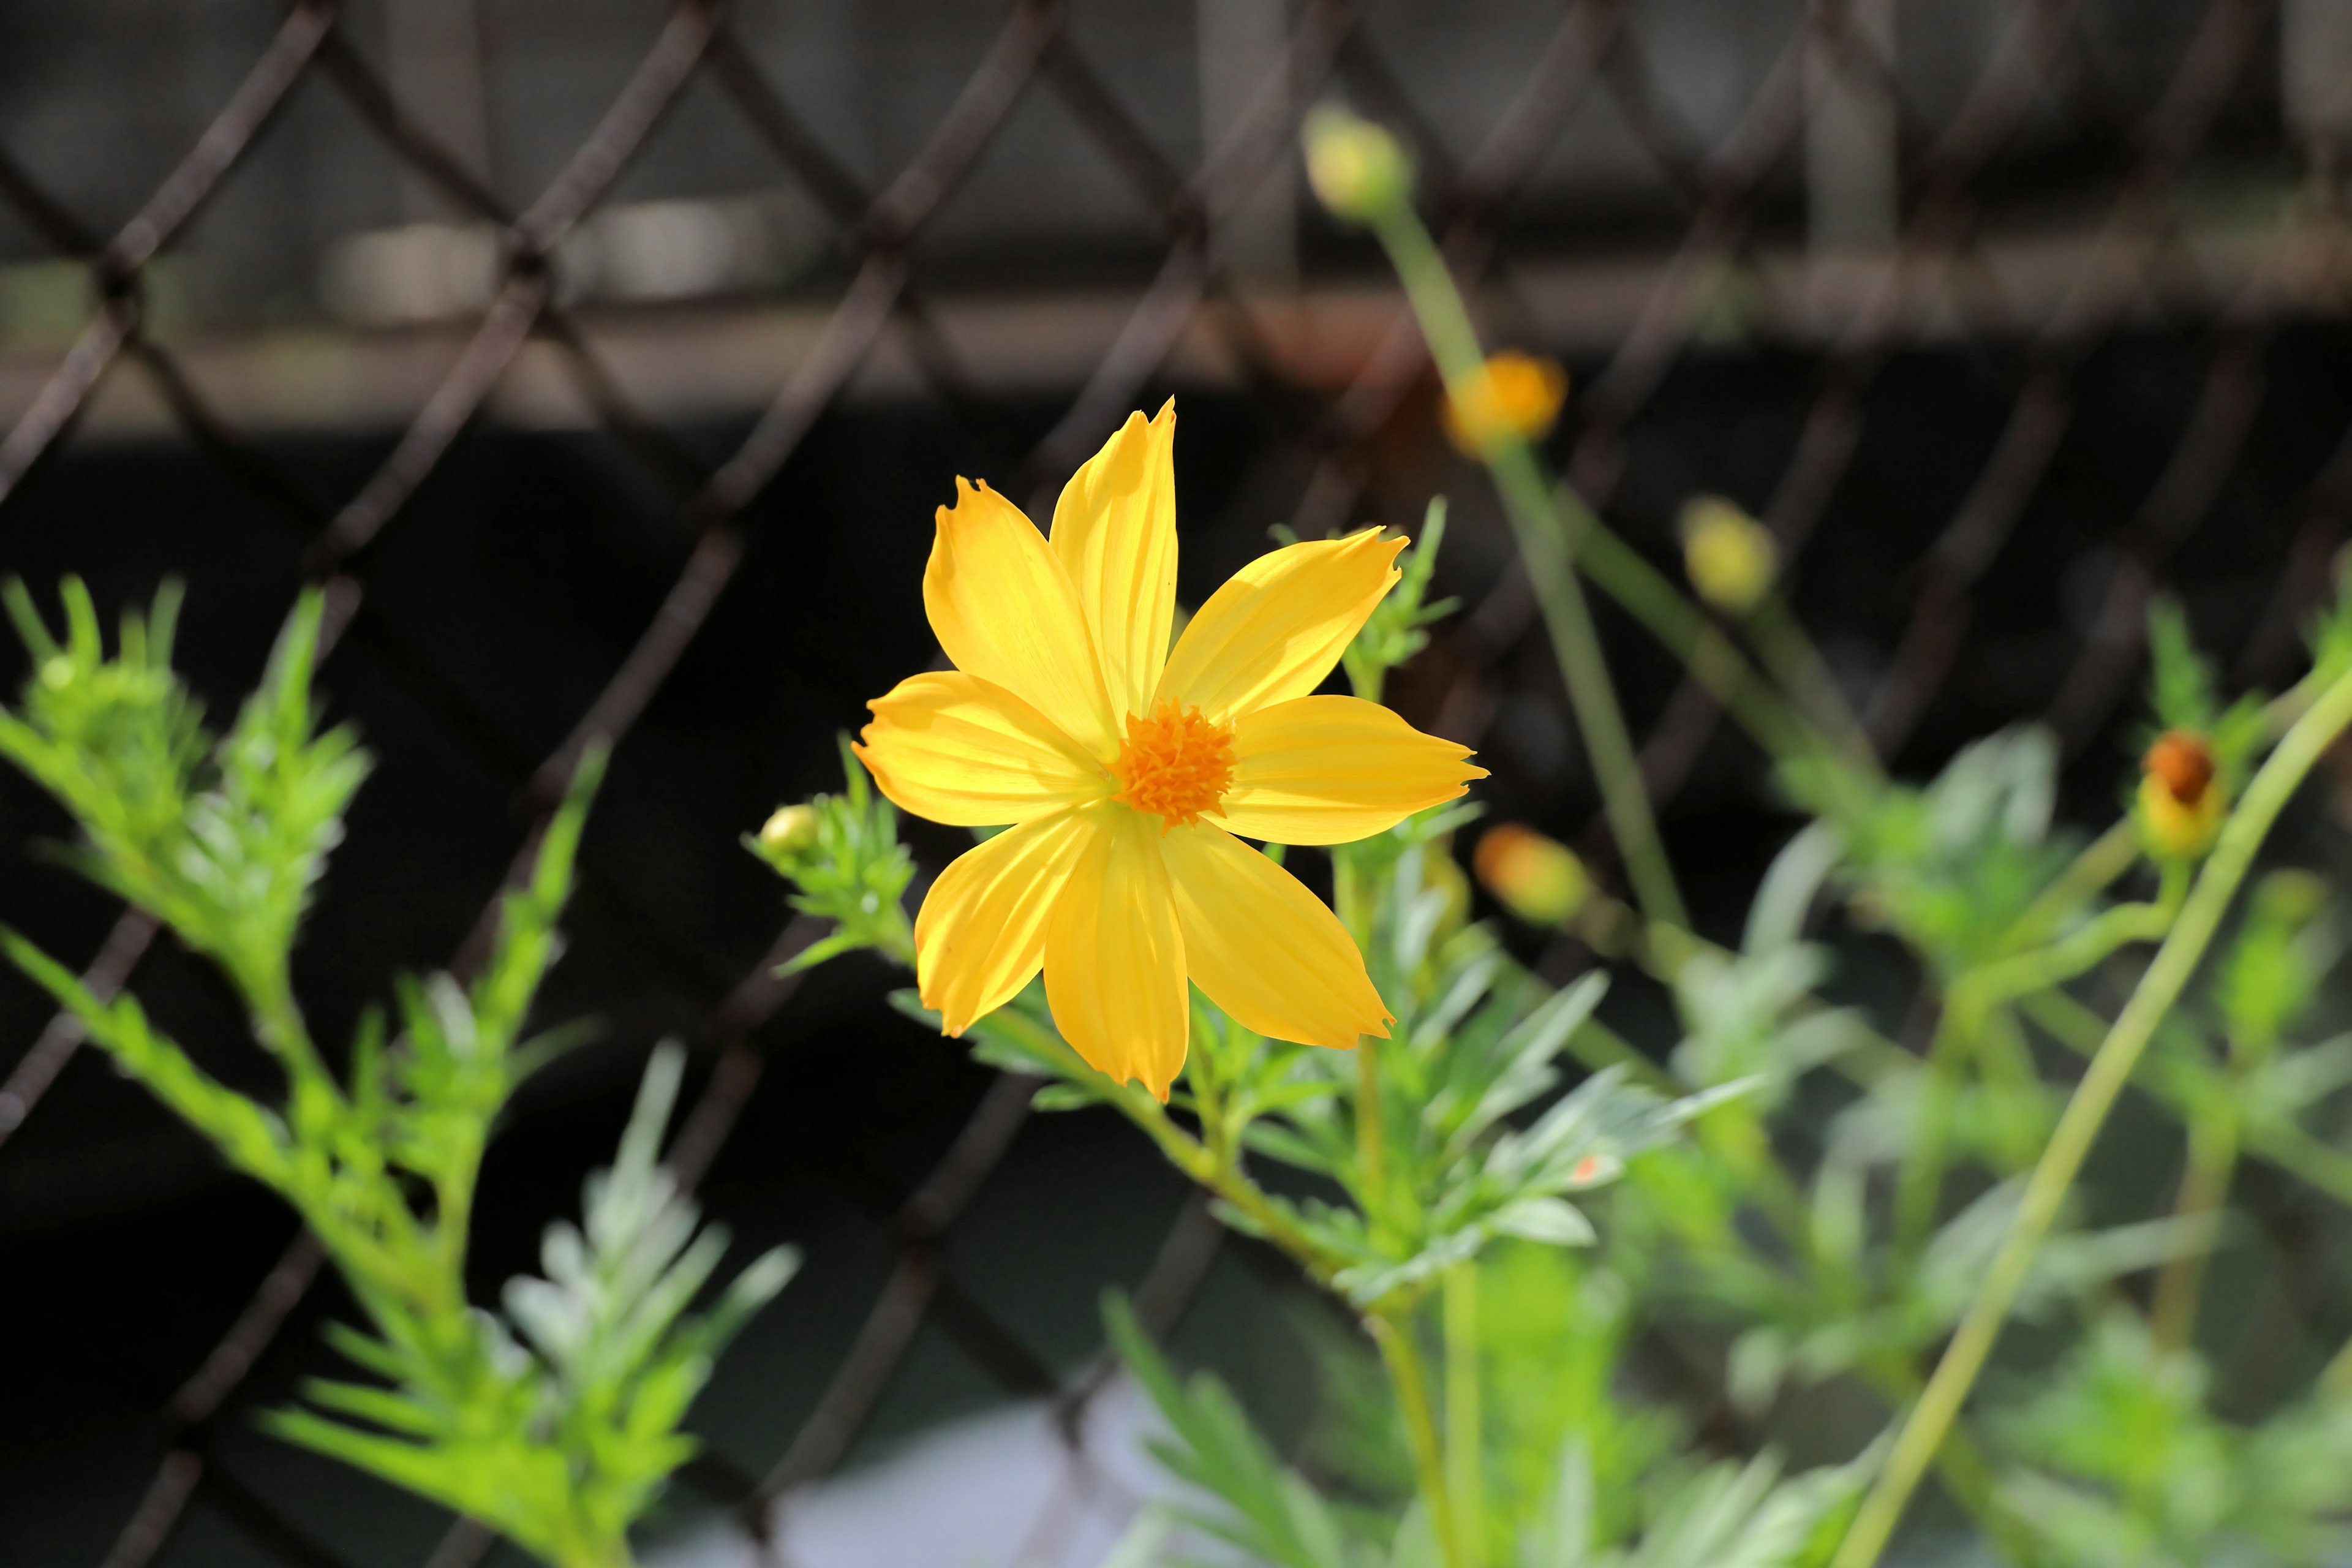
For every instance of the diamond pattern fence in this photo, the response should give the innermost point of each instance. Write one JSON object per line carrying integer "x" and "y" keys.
{"x": 2141, "y": 249}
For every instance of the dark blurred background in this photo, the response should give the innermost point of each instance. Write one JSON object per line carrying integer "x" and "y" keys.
{"x": 608, "y": 360}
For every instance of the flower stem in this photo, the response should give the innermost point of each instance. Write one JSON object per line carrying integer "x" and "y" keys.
{"x": 1969, "y": 1006}
{"x": 1394, "y": 1334}
{"x": 1550, "y": 557}
{"x": 1371, "y": 1138}
{"x": 2274, "y": 1141}
{"x": 1687, "y": 632}
{"x": 1466, "y": 1467}
{"x": 2106, "y": 858}
{"x": 2204, "y": 1188}
{"x": 1218, "y": 1169}
{"x": 1792, "y": 660}
{"x": 2200, "y": 916}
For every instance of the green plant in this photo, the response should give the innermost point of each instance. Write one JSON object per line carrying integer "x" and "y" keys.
{"x": 556, "y": 1423}
{"x": 1790, "y": 1202}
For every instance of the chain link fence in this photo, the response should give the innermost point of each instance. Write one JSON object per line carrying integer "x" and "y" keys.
{"x": 2109, "y": 185}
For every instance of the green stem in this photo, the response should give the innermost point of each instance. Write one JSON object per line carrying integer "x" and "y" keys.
{"x": 1550, "y": 555}
{"x": 1394, "y": 1334}
{"x": 1968, "y": 1005}
{"x": 1960, "y": 1464}
{"x": 2307, "y": 1159}
{"x": 2106, "y": 858}
{"x": 2096, "y": 941}
{"x": 1793, "y": 660}
{"x": 2085, "y": 1113}
{"x": 1920, "y": 1181}
{"x": 1712, "y": 659}
{"x": 312, "y": 1092}
{"x": 1464, "y": 1462}
{"x": 1371, "y": 1138}
{"x": 2204, "y": 1188}
{"x": 2335, "y": 1377}
{"x": 1221, "y": 1175}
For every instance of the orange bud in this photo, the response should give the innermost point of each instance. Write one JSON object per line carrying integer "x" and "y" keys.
{"x": 1537, "y": 878}
{"x": 1514, "y": 396}
{"x": 2181, "y": 803}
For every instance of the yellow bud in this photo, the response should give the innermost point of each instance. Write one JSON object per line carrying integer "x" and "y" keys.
{"x": 1540, "y": 879}
{"x": 1729, "y": 557}
{"x": 2180, "y": 796}
{"x": 1357, "y": 170}
{"x": 1515, "y": 396}
{"x": 791, "y": 830}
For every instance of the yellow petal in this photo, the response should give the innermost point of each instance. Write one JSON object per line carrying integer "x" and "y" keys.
{"x": 981, "y": 932}
{"x": 1006, "y": 611}
{"x": 1115, "y": 534}
{"x": 1277, "y": 628}
{"x": 951, "y": 747}
{"x": 1264, "y": 948}
{"x": 1113, "y": 963}
{"x": 1330, "y": 769}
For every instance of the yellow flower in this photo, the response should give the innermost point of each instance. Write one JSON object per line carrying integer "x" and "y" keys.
{"x": 1129, "y": 768}
{"x": 1514, "y": 396}
{"x": 2180, "y": 795}
{"x": 1729, "y": 557}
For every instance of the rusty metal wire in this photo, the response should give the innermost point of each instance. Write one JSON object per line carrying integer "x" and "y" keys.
{"x": 1730, "y": 189}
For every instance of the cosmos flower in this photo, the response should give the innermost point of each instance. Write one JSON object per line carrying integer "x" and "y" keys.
{"x": 1130, "y": 772}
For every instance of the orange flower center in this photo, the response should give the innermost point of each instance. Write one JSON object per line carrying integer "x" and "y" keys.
{"x": 1175, "y": 764}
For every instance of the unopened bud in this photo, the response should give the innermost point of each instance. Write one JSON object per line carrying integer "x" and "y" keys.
{"x": 2290, "y": 898}
{"x": 1357, "y": 170}
{"x": 790, "y": 830}
{"x": 1513, "y": 398}
{"x": 1729, "y": 557}
{"x": 2180, "y": 795}
{"x": 1540, "y": 879}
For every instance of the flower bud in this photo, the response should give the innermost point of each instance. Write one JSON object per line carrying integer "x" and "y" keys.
{"x": 2289, "y": 898}
{"x": 1515, "y": 396}
{"x": 1540, "y": 879}
{"x": 1729, "y": 557}
{"x": 2180, "y": 796}
{"x": 1357, "y": 170}
{"x": 792, "y": 829}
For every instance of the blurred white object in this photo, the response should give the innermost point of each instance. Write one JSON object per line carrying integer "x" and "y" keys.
{"x": 1000, "y": 1490}
{"x": 417, "y": 272}
{"x": 666, "y": 250}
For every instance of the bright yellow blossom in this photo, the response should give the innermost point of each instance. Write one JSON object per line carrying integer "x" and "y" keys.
{"x": 1130, "y": 771}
